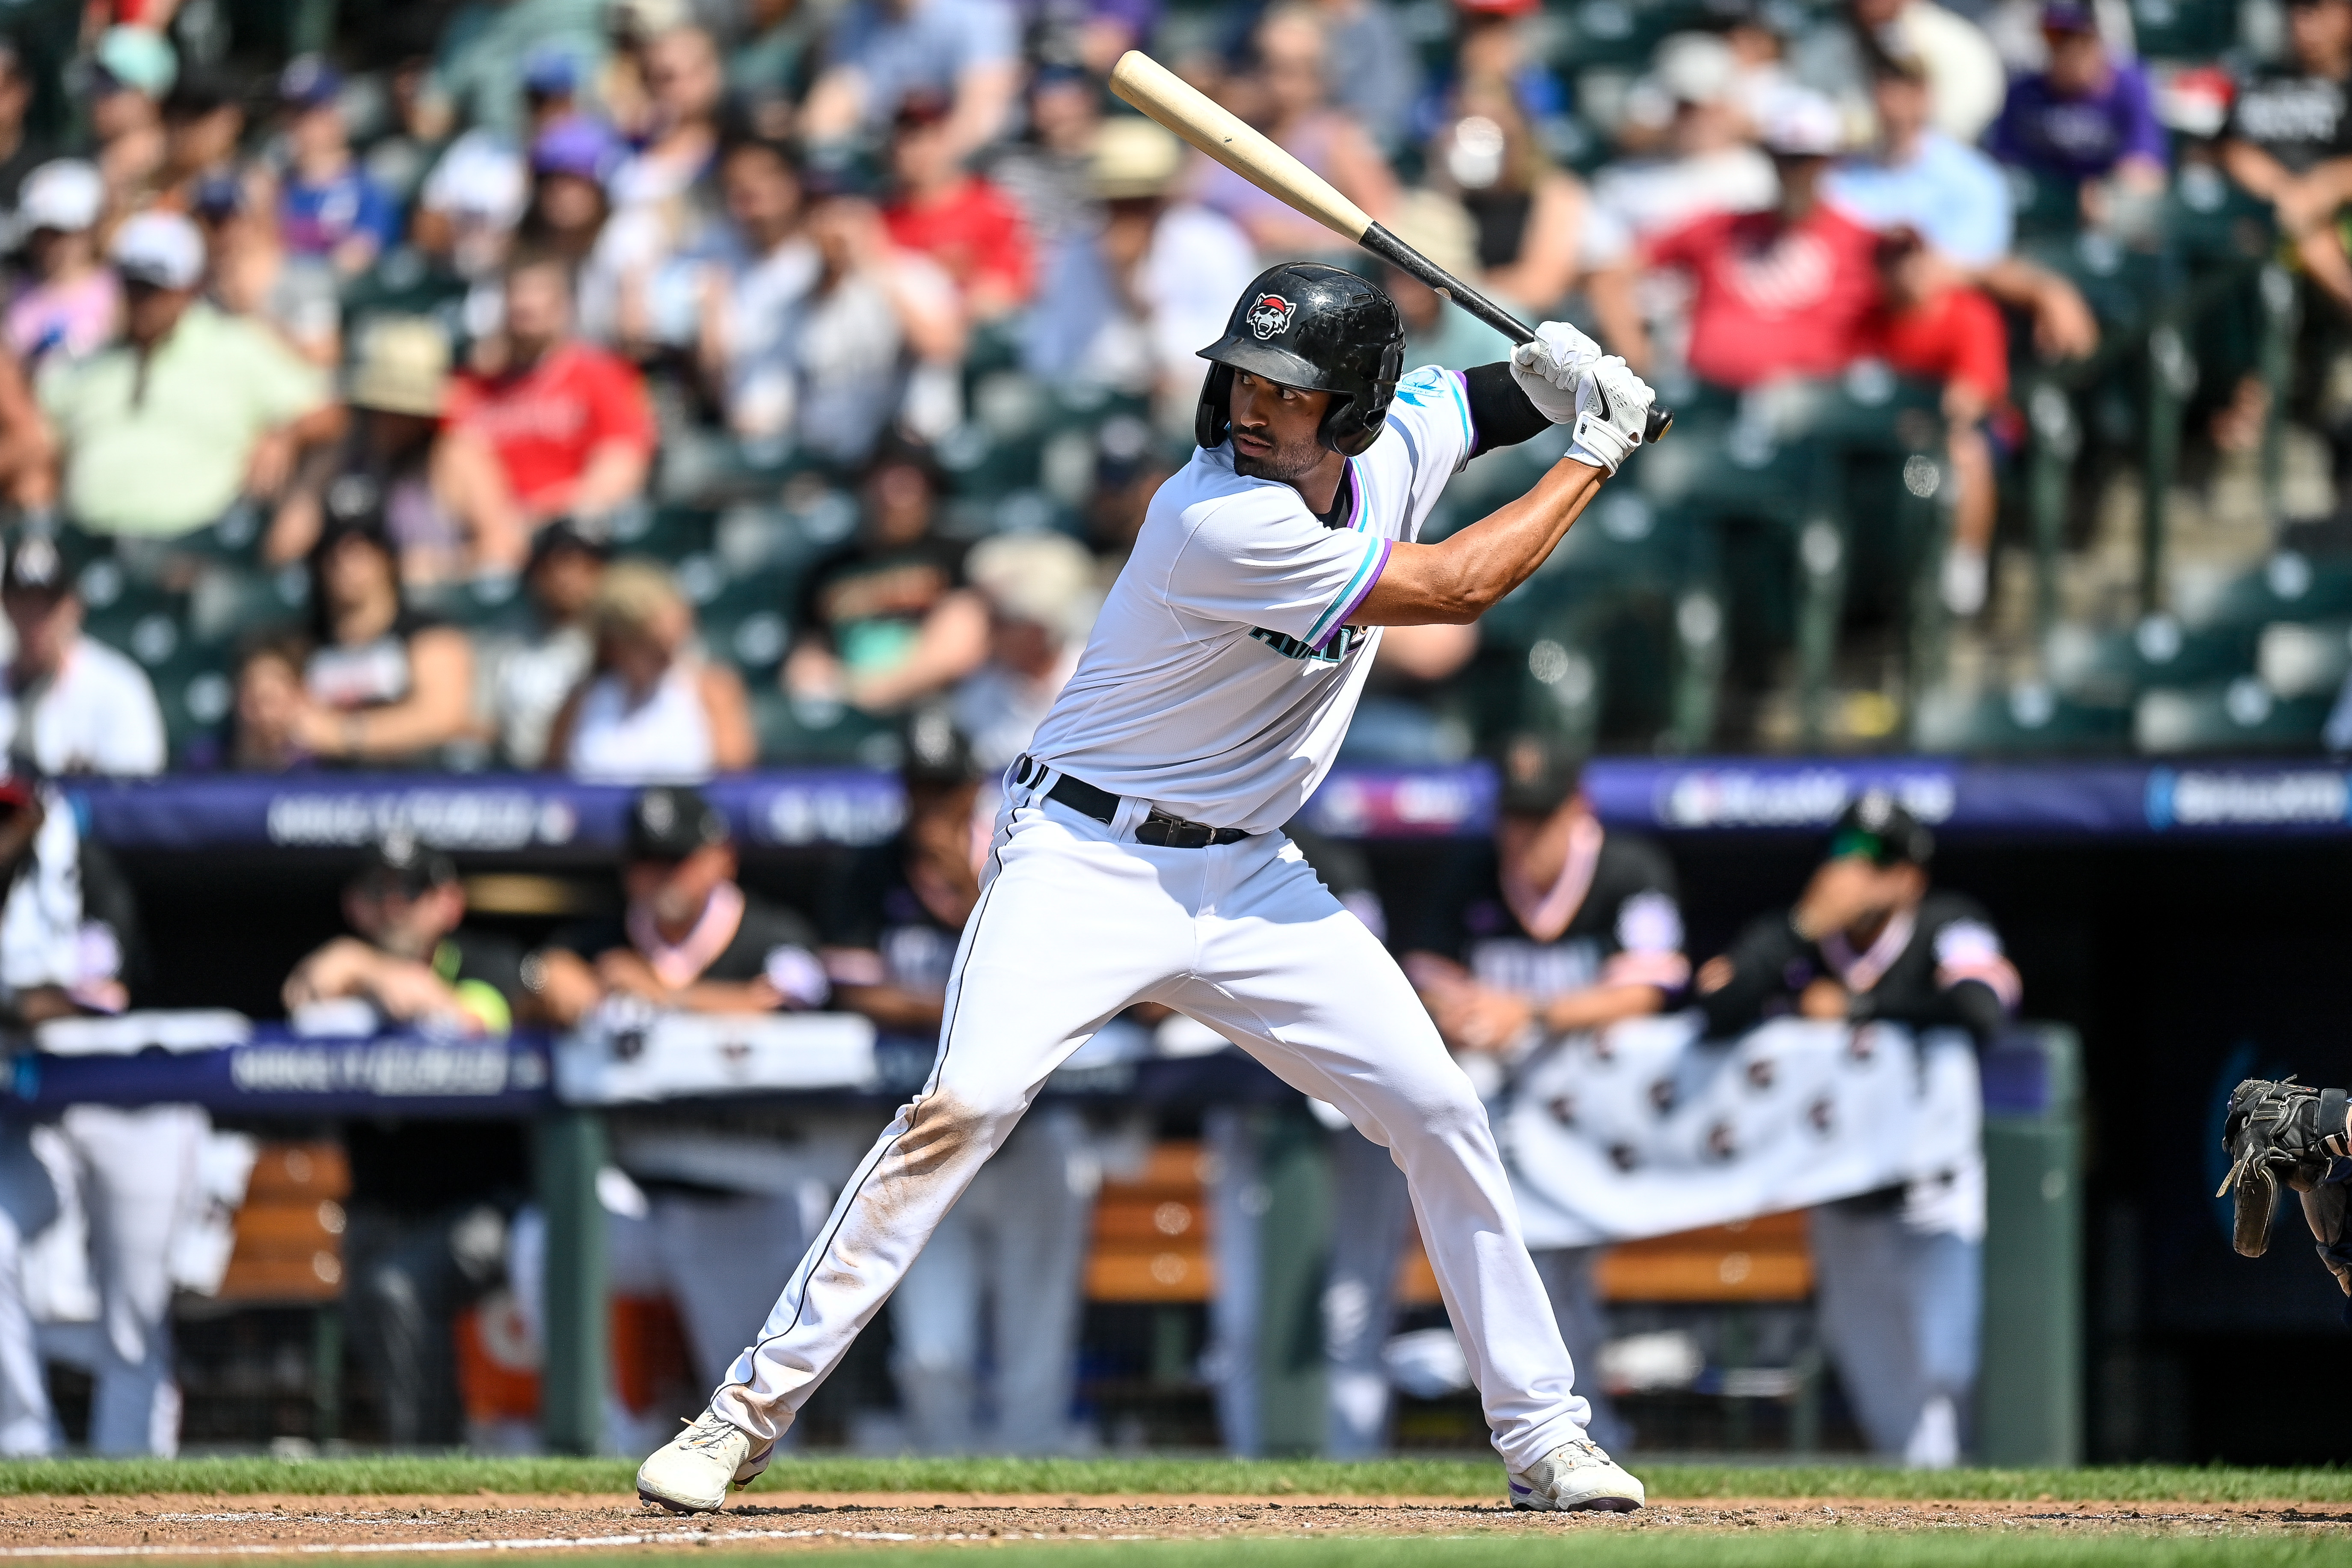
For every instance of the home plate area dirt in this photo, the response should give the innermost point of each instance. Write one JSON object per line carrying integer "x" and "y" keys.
{"x": 246, "y": 1525}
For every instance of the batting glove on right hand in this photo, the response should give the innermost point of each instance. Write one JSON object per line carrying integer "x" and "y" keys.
{"x": 1612, "y": 409}
{"x": 1552, "y": 368}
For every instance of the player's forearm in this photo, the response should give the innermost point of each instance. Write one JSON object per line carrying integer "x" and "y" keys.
{"x": 890, "y": 1006}
{"x": 1457, "y": 581}
{"x": 1597, "y": 1005}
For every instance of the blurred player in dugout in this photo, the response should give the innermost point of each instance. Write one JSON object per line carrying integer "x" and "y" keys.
{"x": 430, "y": 1200}
{"x": 1557, "y": 926}
{"x": 1899, "y": 1273}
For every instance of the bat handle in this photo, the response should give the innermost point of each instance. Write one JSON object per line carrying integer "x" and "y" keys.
{"x": 1406, "y": 259}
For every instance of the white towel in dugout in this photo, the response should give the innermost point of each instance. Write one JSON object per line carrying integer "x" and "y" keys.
{"x": 1645, "y": 1129}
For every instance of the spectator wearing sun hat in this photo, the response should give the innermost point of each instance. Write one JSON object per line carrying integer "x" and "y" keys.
{"x": 71, "y": 306}
{"x": 160, "y": 433}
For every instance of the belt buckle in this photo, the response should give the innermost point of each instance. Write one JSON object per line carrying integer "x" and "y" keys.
{"x": 1174, "y": 832}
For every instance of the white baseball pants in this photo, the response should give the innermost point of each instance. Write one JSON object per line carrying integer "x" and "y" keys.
{"x": 1076, "y": 921}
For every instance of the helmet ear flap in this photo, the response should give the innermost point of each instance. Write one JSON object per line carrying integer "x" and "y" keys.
{"x": 1212, "y": 416}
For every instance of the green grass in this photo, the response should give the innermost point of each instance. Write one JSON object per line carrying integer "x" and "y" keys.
{"x": 1465, "y": 1477}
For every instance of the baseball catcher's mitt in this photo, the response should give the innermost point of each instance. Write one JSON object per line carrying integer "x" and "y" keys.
{"x": 2277, "y": 1133}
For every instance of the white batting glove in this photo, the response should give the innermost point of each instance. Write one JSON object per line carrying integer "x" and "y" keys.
{"x": 1612, "y": 409}
{"x": 1549, "y": 369}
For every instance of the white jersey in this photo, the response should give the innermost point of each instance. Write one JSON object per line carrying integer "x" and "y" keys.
{"x": 1222, "y": 674}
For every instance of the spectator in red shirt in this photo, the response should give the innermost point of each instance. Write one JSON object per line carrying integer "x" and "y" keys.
{"x": 973, "y": 230}
{"x": 542, "y": 426}
{"x": 1932, "y": 325}
{"x": 1783, "y": 292}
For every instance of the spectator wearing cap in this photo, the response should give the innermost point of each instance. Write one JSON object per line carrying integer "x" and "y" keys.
{"x": 719, "y": 1227}
{"x": 1783, "y": 292}
{"x": 470, "y": 205}
{"x": 1557, "y": 926}
{"x": 1706, "y": 161}
{"x": 250, "y": 273}
{"x": 541, "y": 425}
{"x": 886, "y": 619}
{"x": 2087, "y": 119}
{"x": 133, "y": 70}
{"x": 985, "y": 1325}
{"x": 398, "y": 390}
{"x": 2289, "y": 141}
{"x": 877, "y": 340}
{"x": 429, "y": 1199}
{"x": 883, "y": 52}
{"x": 1284, "y": 95}
{"x": 162, "y": 433}
{"x": 970, "y": 229}
{"x": 327, "y": 205}
{"x": 570, "y": 163}
{"x": 69, "y": 703}
{"x": 385, "y": 685}
{"x": 1129, "y": 304}
{"x": 1955, "y": 199}
{"x": 72, "y": 304}
{"x": 764, "y": 267}
{"x": 1900, "y": 1272}
{"x": 651, "y": 708}
{"x": 1040, "y": 596}
{"x": 1965, "y": 76}
{"x": 529, "y": 675}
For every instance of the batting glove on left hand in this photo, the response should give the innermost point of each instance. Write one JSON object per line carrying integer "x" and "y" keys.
{"x": 1613, "y": 410}
{"x": 1551, "y": 369}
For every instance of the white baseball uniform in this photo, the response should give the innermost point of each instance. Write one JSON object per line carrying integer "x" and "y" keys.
{"x": 1216, "y": 686}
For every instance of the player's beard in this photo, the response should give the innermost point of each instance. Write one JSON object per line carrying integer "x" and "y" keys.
{"x": 1288, "y": 465}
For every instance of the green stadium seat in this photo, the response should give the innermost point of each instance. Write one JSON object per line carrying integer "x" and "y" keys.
{"x": 2240, "y": 715}
{"x": 2303, "y": 658}
{"x": 2110, "y": 666}
{"x": 2029, "y": 719}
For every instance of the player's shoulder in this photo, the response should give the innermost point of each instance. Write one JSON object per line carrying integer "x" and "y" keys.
{"x": 1435, "y": 391}
{"x": 1207, "y": 494}
{"x": 1430, "y": 412}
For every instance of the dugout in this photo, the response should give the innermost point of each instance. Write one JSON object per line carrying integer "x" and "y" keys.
{"x": 2185, "y": 923}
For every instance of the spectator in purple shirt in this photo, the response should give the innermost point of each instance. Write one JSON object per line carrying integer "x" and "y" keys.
{"x": 329, "y": 207}
{"x": 2087, "y": 117}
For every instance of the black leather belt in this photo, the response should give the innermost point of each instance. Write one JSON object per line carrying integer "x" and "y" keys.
{"x": 1158, "y": 829}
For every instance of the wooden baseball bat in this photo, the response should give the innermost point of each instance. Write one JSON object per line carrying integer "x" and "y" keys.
{"x": 1192, "y": 115}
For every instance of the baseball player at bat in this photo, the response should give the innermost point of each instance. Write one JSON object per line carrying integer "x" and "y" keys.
{"x": 1138, "y": 856}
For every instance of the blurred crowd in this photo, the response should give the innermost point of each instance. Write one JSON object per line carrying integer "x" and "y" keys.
{"x": 335, "y": 385}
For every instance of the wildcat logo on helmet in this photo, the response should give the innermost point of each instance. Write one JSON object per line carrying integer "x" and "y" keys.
{"x": 1270, "y": 315}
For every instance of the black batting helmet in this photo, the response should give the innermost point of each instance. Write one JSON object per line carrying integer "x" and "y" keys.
{"x": 1320, "y": 328}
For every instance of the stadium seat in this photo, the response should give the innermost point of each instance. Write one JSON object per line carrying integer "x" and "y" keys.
{"x": 2241, "y": 715}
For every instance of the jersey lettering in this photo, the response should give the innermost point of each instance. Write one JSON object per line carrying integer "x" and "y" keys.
{"x": 1331, "y": 652}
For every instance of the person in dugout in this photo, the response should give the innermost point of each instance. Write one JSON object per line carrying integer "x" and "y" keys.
{"x": 1898, "y": 1272}
{"x": 430, "y": 1200}
{"x": 1556, "y": 926}
{"x": 712, "y": 1209}
{"x": 1012, "y": 1253}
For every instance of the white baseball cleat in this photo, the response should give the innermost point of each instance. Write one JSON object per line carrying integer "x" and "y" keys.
{"x": 691, "y": 1472}
{"x": 1576, "y": 1474}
